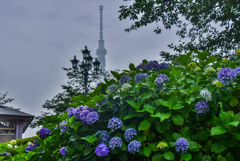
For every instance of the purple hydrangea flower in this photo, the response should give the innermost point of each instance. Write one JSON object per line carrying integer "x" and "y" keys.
{"x": 133, "y": 146}
{"x": 115, "y": 142}
{"x": 30, "y": 147}
{"x": 5, "y": 153}
{"x": 140, "y": 77}
{"x": 129, "y": 133}
{"x": 92, "y": 117}
{"x": 63, "y": 127}
{"x": 112, "y": 88}
{"x": 163, "y": 66}
{"x": 71, "y": 112}
{"x": 35, "y": 144}
{"x": 237, "y": 71}
{"x": 44, "y": 132}
{"x": 104, "y": 136}
{"x": 181, "y": 145}
{"x": 124, "y": 79}
{"x": 63, "y": 150}
{"x": 152, "y": 65}
{"x": 226, "y": 74}
{"x": 82, "y": 115}
{"x": 161, "y": 78}
{"x": 201, "y": 107}
{"x": 142, "y": 66}
{"x": 114, "y": 123}
{"x": 102, "y": 150}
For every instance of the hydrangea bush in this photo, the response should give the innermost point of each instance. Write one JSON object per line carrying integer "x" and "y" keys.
{"x": 187, "y": 111}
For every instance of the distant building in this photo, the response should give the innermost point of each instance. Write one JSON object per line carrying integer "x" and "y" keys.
{"x": 13, "y": 123}
{"x": 101, "y": 51}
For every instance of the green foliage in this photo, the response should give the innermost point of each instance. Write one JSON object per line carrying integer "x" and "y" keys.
{"x": 201, "y": 25}
{"x": 160, "y": 115}
{"x": 4, "y": 100}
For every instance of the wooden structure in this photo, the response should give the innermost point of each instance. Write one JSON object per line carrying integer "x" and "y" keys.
{"x": 13, "y": 123}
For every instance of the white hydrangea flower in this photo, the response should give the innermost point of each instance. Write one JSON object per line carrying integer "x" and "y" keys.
{"x": 13, "y": 142}
{"x": 206, "y": 94}
{"x": 10, "y": 146}
{"x": 125, "y": 87}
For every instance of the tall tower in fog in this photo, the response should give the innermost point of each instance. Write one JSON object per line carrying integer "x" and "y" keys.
{"x": 101, "y": 51}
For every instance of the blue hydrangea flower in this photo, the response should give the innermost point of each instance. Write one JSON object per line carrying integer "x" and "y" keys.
{"x": 201, "y": 107}
{"x": 62, "y": 126}
{"x": 92, "y": 117}
{"x": 63, "y": 150}
{"x": 152, "y": 65}
{"x": 114, "y": 123}
{"x": 206, "y": 94}
{"x": 161, "y": 78}
{"x": 30, "y": 147}
{"x": 124, "y": 79}
{"x": 142, "y": 66}
{"x": 112, "y": 88}
{"x": 181, "y": 145}
{"x": 115, "y": 142}
{"x": 226, "y": 74}
{"x": 102, "y": 150}
{"x": 163, "y": 66}
{"x": 44, "y": 132}
{"x": 35, "y": 144}
{"x": 133, "y": 146}
{"x": 140, "y": 77}
{"x": 129, "y": 133}
{"x": 237, "y": 71}
{"x": 105, "y": 137}
{"x": 71, "y": 112}
{"x": 5, "y": 153}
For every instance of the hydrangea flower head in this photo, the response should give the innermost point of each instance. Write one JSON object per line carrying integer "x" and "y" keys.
{"x": 226, "y": 74}
{"x": 10, "y": 146}
{"x": 133, "y": 146}
{"x": 237, "y": 71}
{"x": 181, "y": 145}
{"x": 162, "y": 145}
{"x": 92, "y": 117}
{"x": 63, "y": 127}
{"x": 140, "y": 77}
{"x": 142, "y": 66}
{"x": 71, "y": 112}
{"x": 125, "y": 87}
{"x": 44, "y": 132}
{"x": 5, "y": 153}
{"x": 112, "y": 88}
{"x": 198, "y": 69}
{"x": 13, "y": 142}
{"x": 192, "y": 65}
{"x": 225, "y": 60}
{"x": 63, "y": 150}
{"x": 206, "y": 94}
{"x": 102, "y": 150}
{"x": 210, "y": 70}
{"x": 152, "y": 65}
{"x": 201, "y": 107}
{"x": 105, "y": 137}
{"x": 35, "y": 144}
{"x": 218, "y": 83}
{"x": 114, "y": 123}
{"x": 129, "y": 133}
{"x": 115, "y": 142}
{"x": 30, "y": 147}
{"x": 161, "y": 78}
{"x": 163, "y": 66}
{"x": 124, "y": 79}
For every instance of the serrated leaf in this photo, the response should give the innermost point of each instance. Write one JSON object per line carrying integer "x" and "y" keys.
{"x": 218, "y": 147}
{"x": 74, "y": 137}
{"x": 176, "y": 136}
{"x": 177, "y": 107}
{"x": 168, "y": 155}
{"x": 163, "y": 102}
{"x": 218, "y": 130}
{"x": 177, "y": 120}
{"x": 194, "y": 146}
{"x": 145, "y": 124}
{"x": 234, "y": 123}
{"x": 132, "y": 66}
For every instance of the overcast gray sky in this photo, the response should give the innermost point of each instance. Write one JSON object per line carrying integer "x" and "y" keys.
{"x": 39, "y": 37}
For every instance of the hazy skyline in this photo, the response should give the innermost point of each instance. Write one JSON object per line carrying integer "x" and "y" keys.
{"x": 38, "y": 38}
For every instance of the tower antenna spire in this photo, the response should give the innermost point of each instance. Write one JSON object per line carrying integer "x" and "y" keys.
{"x": 101, "y": 22}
